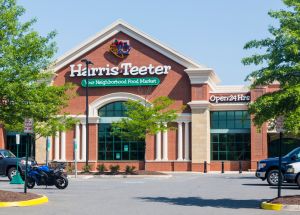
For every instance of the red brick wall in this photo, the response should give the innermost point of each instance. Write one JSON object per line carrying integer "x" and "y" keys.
{"x": 69, "y": 145}
{"x": 200, "y": 92}
{"x": 259, "y": 144}
{"x": 2, "y": 138}
{"x": 150, "y": 147}
{"x": 93, "y": 139}
{"x": 176, "y": 84}
{"x": 139, "y": 165}
{"x": 229, "y": 165}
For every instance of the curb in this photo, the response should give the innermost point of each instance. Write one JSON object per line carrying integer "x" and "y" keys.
{"x": 119, "y": 176}
{"x": 270, "y": 206}
{"x": 26, "y": 203}
{"x": 279, "y": 207}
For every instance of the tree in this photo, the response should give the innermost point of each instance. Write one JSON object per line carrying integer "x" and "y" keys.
{"x": 143, "y": 119}
{"x": 279, "y": 62}
{"x": 25, "y": 77}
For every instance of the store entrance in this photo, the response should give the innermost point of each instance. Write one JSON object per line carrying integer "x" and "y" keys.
{"x": 110, "y": 146}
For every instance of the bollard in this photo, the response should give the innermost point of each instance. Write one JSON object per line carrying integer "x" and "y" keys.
{"x": 222, "y": 171}
{"x": 205, "y": 167}
{"x": 240, "y": 167}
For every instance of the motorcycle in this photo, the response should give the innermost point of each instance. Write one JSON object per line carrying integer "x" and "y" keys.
{"x": 44, "y": 175}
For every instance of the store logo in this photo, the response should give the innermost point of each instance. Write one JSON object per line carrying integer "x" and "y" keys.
{"x": 125, "y": 69}
{"x": 230, "y": 98}
{"x": 120, "y": 48}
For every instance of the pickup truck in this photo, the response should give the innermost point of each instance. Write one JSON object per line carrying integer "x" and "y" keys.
{"x": 268, "y": 168}
{"x": 293, "y": 173}
{"x": 8, "y": 164}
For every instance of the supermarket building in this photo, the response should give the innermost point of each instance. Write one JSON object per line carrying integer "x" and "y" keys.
{"x": 214, "y": 127}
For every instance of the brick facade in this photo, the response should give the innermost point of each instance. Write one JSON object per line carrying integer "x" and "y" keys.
{"x": 187, "y": 83}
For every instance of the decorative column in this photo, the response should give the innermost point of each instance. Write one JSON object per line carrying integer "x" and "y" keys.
{"x": 77, "y": 138}
{"x": 158, "y": 146}
{"x": 63, "y": 146}
{"x": 165, "y": 144}
{"x": 179, "y": 146}
{"x": 83, "y": 149}
{"x": 56, "y": 146}
{"x": 186, "y": 141}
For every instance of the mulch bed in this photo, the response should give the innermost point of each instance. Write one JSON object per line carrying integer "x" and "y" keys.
{"x": 286, "y": 200}
{"x": 144, "y": 172}
{"x": 139, "y": 172}
{"x": 7, "y": 196}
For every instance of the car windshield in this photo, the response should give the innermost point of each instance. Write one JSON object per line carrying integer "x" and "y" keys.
{"x": 8, "y": 154}
{"x": 293, "y": 152}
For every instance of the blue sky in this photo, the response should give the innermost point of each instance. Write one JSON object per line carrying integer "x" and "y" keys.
{"x": 211, "y": 32}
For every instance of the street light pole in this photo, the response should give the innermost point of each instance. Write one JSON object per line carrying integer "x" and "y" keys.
{"x": 87, "y": 63}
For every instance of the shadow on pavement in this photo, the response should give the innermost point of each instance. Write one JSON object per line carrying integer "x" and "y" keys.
{"x": 267, "y": 185}
{"x": 258, "y": 185}
{"x": 200, "y": 202}
{"x": 290, "y": 187}
{"x": 243, "y": 177}
{"x": 35, "y": 188}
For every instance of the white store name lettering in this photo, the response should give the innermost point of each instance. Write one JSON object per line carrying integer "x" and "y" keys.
{"x": 126, "y": 69}
{"x": 230, "y": 98}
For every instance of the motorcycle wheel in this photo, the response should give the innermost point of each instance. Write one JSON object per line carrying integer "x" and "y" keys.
{"x": 30, "y": 183}
{"x": 61, "y": 182}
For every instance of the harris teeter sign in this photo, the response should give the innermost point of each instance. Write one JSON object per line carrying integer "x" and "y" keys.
{"x": 122, "y": 82}
{"x": 125, "y": 69}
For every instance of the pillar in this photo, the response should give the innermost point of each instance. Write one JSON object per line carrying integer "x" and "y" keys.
{"x": 165, "y": 144}
{"x": 83, "y": 149}
{"x": 77, "y": 138}
{"x": 63, "y": 146}
{"x": 56, "y": 147}
{"x": 179, "y": 142}
{"x": 158, "y": 146}
{"x": 186, "y": 141}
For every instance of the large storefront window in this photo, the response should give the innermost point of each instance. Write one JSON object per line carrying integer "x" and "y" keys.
{"x": 12, "y": 146}
{"x": 230, "y": 135}
{"x": 230, "y": 146}
{"x": 230, "y": 120}
{"x": 112, "y": 147}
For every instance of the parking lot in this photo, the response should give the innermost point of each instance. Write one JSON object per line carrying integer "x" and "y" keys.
{"x": 185, "y": 193}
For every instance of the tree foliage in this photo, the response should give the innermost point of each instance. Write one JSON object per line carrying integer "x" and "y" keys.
{"x": 279, "y": 63}
{"x": 143, "y": 118}
{"x": 25, "y": 58}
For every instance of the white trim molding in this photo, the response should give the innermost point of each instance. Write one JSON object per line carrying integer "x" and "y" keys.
{"x": 226, "y": 106}
{"x": 184, "y": 117}
{"x": 121, "y": 26}
{"x": 203, "y": 75}
{"x": 113, "y": 97}
{"x": 231, "y": 89}
{"x": 199, "y": 105}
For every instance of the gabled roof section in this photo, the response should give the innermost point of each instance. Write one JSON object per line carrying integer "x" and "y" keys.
{"x": 121, "y": 26}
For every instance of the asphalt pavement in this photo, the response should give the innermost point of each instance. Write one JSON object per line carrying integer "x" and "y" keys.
{"x": 182, "y": 194}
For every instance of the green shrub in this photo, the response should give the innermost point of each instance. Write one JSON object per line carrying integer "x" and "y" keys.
{"x": 129, "y": 169}
{"x": 101, "y": 168}
{"x": 86, "y": 168}
{"x": 114, "y": 169}
{"x": 70, "y": 168}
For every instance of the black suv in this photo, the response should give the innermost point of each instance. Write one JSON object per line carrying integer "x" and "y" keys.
{"x": 268, "y": 168}
{"x": 8, "y": 163}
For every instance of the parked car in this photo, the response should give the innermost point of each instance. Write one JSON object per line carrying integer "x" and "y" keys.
{"x": 268, "y": 168}
{"x": 292, "y": 174}
{"x": 8, "y": 164}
